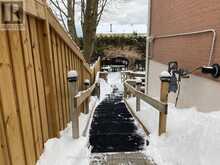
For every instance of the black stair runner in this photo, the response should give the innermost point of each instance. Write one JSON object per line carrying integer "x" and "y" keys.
{"x": 113, "y": 128}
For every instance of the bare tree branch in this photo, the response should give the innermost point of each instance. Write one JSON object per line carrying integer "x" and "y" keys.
{"x": 58, "y": 7}
{"x": 64, "y": 4}
{"x": 63, "y": 22}
{"x": 61, "y": 19}
{"x": 102, "y": 5}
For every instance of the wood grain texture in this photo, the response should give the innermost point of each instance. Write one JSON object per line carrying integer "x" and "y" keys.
{"x": 39, "y": 80}
{"x": 9, "y": 105}
{"x": 24, "y": 113}
{"x": 160, "y": 106}
{"x": 4, "y": 153}
{"x": 32, "y": 89}
{"x": 34, "y": 97}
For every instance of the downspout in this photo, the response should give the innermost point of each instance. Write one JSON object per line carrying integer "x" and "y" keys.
{"x": 148, "y": 48}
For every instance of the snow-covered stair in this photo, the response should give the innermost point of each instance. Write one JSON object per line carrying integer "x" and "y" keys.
{"x": 121, "y": 158}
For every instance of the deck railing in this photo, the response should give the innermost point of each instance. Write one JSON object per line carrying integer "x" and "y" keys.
{"x": 79, "y": 101}
{"x": 132, "y": 87}
{"x": 34, "y": 98}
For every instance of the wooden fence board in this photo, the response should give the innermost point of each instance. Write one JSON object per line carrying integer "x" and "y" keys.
{"x": 53, "y": 52}
{"x": 56, "y": 66}
{"x": 55, "y": 98}
{"x": 22, "y": 94}
{"x": 71, "y": 60}
{"x": 9, "y": 105}
{"x": 59, "y": 55}
{"x": 32, "y": 89}
{"x": 66, "y": 68}
{"x": 4, "y": 153}
{"x": 47, "y": 66}
{"x": 39, "y": 79}
{"x": 63, "y": 74}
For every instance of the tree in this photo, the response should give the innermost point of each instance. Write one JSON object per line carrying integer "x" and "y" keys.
{"x": 65, "y": 11}
{"x": 91, "y": 13}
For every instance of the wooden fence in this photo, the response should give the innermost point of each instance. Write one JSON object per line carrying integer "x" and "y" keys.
{"x": 34, "y": 104}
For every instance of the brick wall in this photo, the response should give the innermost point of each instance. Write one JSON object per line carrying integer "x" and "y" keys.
{"x": 177, "y": 16}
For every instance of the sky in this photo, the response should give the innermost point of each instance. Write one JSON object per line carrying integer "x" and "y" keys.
{"x": 126, "y": 16}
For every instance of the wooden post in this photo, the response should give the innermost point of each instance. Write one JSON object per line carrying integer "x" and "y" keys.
{"x": 86, "y": 104}
{"x": 98, "y": 90}
{"x": 72, "y": 83}
{"x": 138, "y": 100}
{"x": 125, "y": 92}
{"x": 165, "y": 80}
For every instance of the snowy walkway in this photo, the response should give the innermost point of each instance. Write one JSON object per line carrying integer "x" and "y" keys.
{"x": 113, "y": 128}
{"x": 116, "y": 138}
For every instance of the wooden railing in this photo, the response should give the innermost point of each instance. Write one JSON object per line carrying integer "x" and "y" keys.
{"x": 79, "y": 100}
{"x": 131, "y": 87}
{"x": 130, "y": 75}
{"x": 160, "y": 106}
{"x": 34, "y": 98}
{"x": 81, "y": 97}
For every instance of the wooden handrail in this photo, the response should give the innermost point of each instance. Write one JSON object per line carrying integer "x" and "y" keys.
{"x": 83, "y": 95}
{"x": 160, "y": 106}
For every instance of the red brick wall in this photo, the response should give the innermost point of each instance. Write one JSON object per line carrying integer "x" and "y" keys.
{"x": 177, "y": 16}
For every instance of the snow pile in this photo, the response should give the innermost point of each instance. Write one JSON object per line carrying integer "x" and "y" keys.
{"x": 114, "y": 79}
{"x": 192, "y": 137}
{"x": 105, "y": 88}
{"x": 65, "y": 150}
{"x": 148, "y": 115}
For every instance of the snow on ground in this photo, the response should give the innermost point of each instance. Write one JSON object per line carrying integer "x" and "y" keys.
{"x": 114, "y": 79}
{"x": 192, "y": 137}
{"x": 65, "y": 150}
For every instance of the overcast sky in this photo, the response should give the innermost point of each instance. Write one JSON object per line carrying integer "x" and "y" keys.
{"x": 126, "y": 16}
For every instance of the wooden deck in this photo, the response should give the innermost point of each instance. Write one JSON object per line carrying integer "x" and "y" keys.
{"x": 122, "y": 158}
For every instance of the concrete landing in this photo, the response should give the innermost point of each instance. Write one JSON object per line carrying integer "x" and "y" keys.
{"x": 121, "y": 158}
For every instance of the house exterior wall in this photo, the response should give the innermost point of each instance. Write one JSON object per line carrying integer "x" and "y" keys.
{"x": 197, "y": 91}
{"x": 178, "y": 16}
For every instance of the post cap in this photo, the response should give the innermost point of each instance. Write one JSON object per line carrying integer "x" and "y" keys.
{"x": 138, "y": 81}
{"x": 165, "y": 76}
{"x": 87, "y": 82}
{"x": 72, "y": 76}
